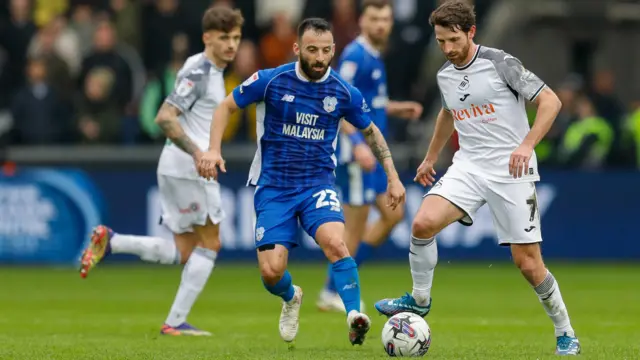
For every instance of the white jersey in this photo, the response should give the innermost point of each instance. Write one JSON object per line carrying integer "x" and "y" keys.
{"x": 487, "y": 101}
{"x": 198, "y": 90}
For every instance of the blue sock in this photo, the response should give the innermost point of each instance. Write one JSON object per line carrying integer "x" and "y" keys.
{"x": 347, "y": 283}
{"x": 283, "y": 288}
{"x": 330, "y": 285}
{"x": 363, "y": 253}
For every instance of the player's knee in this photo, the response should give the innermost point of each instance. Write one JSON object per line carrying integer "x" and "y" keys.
{"x": 271, "y": 273}
{"x": 335, "y": 249}
{"x": 529, "y": 262}
{"x": 209, "y": 237}
{"x": 212, "y": 244}
{"x": 425, "y": 226}
{"x": 184, "y": 254}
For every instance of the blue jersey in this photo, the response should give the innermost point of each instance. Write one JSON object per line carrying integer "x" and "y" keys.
{"x": 297, "y": 124}
{"x": 361, "y": 65}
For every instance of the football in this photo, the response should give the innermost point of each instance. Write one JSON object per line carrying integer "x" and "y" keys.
{"x": 406, "y": 335}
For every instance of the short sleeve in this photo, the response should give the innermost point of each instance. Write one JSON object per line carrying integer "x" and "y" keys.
{"x": 357, "y": 111}
{"x": 350, "y": 66}
{"x": 444, "y": 102}
{"x": 187, "y": 90}
{"x": 523, "y": 81}
{"x": 252, "y": 90}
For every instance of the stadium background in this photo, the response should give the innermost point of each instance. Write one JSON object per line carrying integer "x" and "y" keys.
{"x": 81, "y": 80}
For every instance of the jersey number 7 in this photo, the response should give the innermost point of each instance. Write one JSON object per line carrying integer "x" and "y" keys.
{"x": 533, "y": 206}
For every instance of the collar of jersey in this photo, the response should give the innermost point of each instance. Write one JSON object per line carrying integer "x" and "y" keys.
{"x": 213, "y": 65}
{"x": 475, "y": 56}
{"x": 301, "y": 77}
{"x": 367, "y": 46}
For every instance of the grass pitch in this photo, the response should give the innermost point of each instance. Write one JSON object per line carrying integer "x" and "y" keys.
{"x": 479, "y": 312}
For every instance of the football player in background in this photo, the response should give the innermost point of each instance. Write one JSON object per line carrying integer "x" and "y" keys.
{"x": 191, "y": 205}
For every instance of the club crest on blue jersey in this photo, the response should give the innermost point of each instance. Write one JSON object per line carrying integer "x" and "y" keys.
{"x": 259, "y": 233}
{"x": 297, "y": 124}
{"x": 330, "y": 103}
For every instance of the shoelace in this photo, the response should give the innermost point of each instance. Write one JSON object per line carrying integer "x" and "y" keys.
{"x": 406, "y": 298}
{"x": 564, "y": 342}
{"x": 288, "y": 316}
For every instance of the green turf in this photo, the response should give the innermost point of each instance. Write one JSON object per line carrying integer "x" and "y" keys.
{"x": 479, "y": 312}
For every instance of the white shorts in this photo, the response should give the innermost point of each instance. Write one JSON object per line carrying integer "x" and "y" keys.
{"x": 513, "y": 206}
{"x": 187, "y": 202}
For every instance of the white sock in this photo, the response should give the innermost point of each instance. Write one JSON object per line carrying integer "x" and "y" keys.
{"x": 151, "y": 249}
{"x": 551, "y": 299}
{"x": 194, "y": 277}
{"x": 423, "y": 257}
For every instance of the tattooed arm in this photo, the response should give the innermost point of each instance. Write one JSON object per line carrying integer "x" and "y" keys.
{"x": 380, "y": 149}
{"x": 395, "y": 189}
{"x": 356, "y": 114}
{"x": 167, "y": 119}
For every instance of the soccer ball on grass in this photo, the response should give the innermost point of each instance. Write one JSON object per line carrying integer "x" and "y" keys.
{"x": 406, "y": 335}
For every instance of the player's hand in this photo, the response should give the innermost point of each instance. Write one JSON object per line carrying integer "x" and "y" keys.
{"x": 395, "y": 193}
{"x": 426, "y": 172}
{"x": 364, "y": 157}
{"x": 519, "y": 161}
{"x": 209, "y": 163}
{"x": 411, "y": 110}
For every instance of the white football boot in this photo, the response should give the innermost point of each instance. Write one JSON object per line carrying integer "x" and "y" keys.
{"x": 331, "y": 301}
{"x": 359, "y": 325}
{"x": 290, "y": 316}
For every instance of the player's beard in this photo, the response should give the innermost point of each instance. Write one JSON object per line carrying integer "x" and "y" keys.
{"x": 459, "y": 57}
{"x": 313, "y": 74}
{"x": 378, "y": 41}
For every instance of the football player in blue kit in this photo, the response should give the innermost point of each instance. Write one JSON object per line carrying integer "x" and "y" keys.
{"x": 299, "y": 109}
{"x": 362, "y": 181}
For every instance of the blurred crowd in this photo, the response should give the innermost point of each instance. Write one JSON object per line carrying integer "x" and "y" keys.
{"x": 96, "y": 71}
{"x": 594, "y": 128}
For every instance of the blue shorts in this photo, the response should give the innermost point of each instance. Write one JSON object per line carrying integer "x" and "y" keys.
{"x": 358, "y": 187}
{"x": 278, "y": 211}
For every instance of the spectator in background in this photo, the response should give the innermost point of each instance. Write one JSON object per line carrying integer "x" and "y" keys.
{"x": 276, "y": 46}
{"x": 99, "y": 114}
{"x": 588, "y": 140}
{"x": 104, "y": 54}
{"x": 604, "y": 99}
{"x": 609, "y": 107}
{"x": 47, "y": 10}
{"x": 15, "y": 36}
{"x": 58, "y": 73}
{"x": 631, "y": 134}
{"x": 266, "y": 10}
{"x": 161, "y": 22}
{"x": 127, "y": 22}
{"x": 345, "y": 24}
{"x": 66, "y": 43}
{"x": 160, "y": 86}
{"x": 242, "y": 123}
{"x": 39, "y": 117}
{"x": 547, "y": 149}
{"x": 81, "y": 21}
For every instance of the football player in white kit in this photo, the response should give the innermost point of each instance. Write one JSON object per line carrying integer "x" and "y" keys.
{"x": 191, "y": 206}
{"x": 483, "y": 97}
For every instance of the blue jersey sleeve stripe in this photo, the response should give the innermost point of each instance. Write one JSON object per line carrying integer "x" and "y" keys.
{"x": 343, "y": 86}
{"x": 273, "y": 78}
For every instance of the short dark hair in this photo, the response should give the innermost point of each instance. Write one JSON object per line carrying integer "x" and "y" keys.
{"x": 454, "y": 14}
{"x": 378, "y": 4}
{"x": 221, "y": 18}
{"x": 317, "y": 24}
